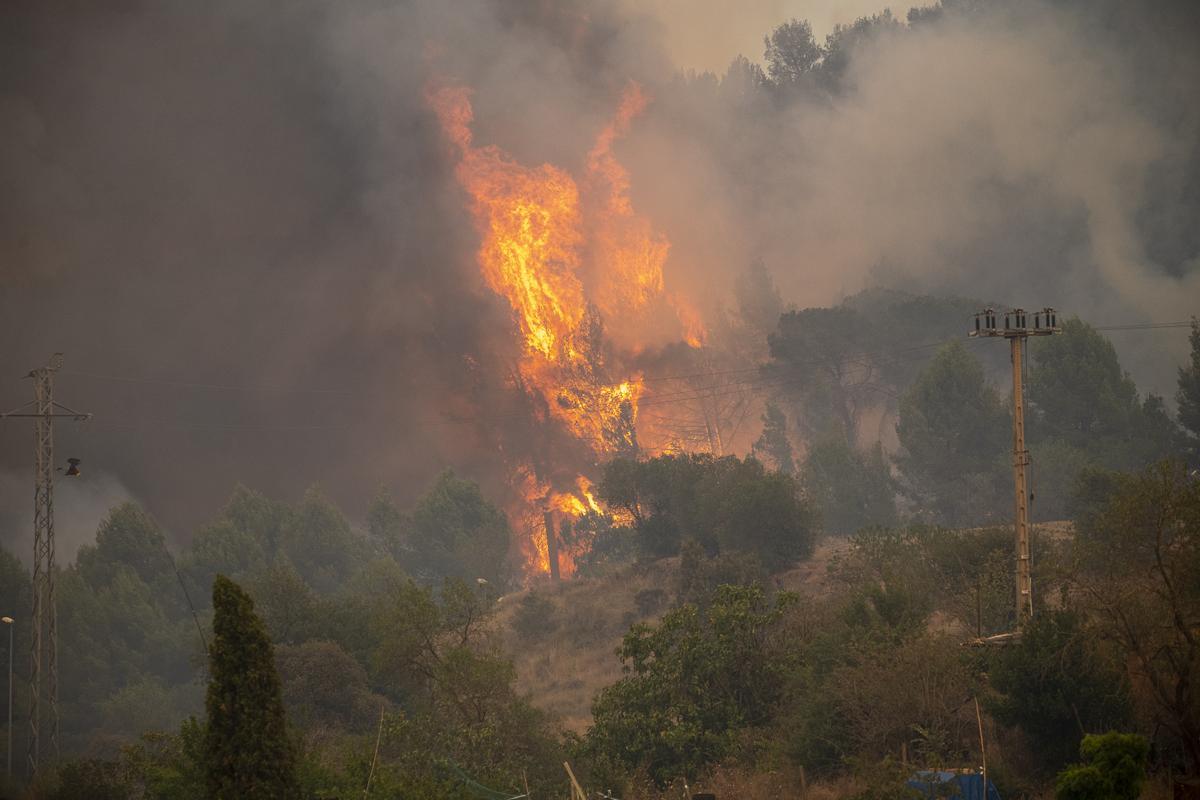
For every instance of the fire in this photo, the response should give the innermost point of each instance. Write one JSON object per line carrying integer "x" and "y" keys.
{"x": 568, "y": 257}
{"x": 530, "y": 221}
{"x": 631, "y": 253}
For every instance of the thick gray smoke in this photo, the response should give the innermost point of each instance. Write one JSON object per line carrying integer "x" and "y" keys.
{"x": 239, "y": 220}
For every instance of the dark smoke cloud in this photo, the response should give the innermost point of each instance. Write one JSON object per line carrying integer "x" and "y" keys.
{"x": 254, "y": 194}
{"x": 239, "y": 194}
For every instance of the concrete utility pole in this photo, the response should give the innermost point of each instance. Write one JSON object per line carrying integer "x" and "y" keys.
{"x": 44, "y": 649}
{"x": 1016, "y": 330}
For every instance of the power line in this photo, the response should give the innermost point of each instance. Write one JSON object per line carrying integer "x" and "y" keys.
{"x": 214, "y": 386}
{"x": 1143, "y": 326}
{"x": 760, "y": 380}
{"x": 852, "y": 357}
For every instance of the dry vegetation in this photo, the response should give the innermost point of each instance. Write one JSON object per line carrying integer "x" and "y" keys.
{"x": 572, "y": 657}
{"x": 563, "y": 666}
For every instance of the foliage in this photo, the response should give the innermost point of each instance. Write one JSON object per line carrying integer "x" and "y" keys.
{"x": 884, "y": 780}
{"x": 1139, "y": 577}
{"x": 324, "y": 687}
{"x": 455, "y": 532}
{"x": 247, "y": 753}
{"x": 610, "y": 547}
{"x": 692, "y": 683}
{"x": 243, "y": 538}
{"x": 845, "y": 40}
{"x": 128, "y": 537}
{"x": 1057, "y": 683}
{"x": 1079, "y": 395}
{"x": 168, "y": 766}
{"x": 1188, "y": 394}
{"x": 851, "y": 489}
{"x": 90, "y": 779}
{"x": 385, "y": 524}
{"x": 317, "y": 540}
{"x": 437, "y": 649}
{"x": 437, "y": 653}
{"x": 287, "y": 605}
{"x": 726, "y": 504}
{"x": 819, "y": 353}
{"x": 1093, "y": 489}
{"x": 898, "y": 576}
{"x": 956, "y": 438}
{"x": 791, "y": 52}
{"x": 1113, "y": 768}
{"x": 773, "y": 443}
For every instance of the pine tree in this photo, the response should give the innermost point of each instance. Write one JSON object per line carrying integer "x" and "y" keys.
{"x": 246, "y": 750}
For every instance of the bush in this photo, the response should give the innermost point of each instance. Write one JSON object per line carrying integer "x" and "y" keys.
{"x": 692, "y": 684}
{"x": 1114, "y": 768}
{"x": 726, "y": 504}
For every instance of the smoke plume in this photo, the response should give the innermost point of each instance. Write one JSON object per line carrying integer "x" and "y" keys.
{"x": 240, "y": 223}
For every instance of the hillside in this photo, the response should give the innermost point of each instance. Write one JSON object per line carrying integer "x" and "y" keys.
{"x": 573, "y": 657}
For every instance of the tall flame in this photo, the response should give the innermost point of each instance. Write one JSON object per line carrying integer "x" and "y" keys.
{"x": 566, "y": 261}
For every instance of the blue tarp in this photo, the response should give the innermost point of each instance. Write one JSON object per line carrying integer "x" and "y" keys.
{"x": 967, "y": 786}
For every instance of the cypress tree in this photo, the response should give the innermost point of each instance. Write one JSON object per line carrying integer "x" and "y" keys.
{"x": 247, "y": 753}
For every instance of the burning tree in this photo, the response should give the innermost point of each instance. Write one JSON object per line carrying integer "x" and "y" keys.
{"x": 567, "y": 260}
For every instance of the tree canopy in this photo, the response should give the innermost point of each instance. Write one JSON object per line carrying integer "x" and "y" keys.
{"x": 247, "y": 753}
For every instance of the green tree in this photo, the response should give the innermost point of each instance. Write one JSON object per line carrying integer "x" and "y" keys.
{"x": 955, "y": 434}
{"x": 692, "y": 684}
{"x": 318, "y": 541}
{"x": 773, "y": 443}
{"x": 819, "y": 355}
{"x": 1139, "y": 576}
{"x": 1056, "y": 684}
{"x": 791, "y": 52}
{"x": 433, "y": 648}
{"x": 842, "y": 43}
{"x": 247, "y": 753}
{"x": 284, "y": 601}
{"x": 726, "y": 504}
{"x": 244, "y": 538}
{"x": 385, "y": 524}
{"x": 167, "y": 766}
{"x": 851, "y": 489}
{"x": 1079, "y": 394}
{"x": 1113, "y": 768}
{"x": 437, "y": 653}
{"x": 456, "y": 532}
{"x": 128, "y": 536}
{"x": 323, "y": 686}
{"x": 90, "y": 779}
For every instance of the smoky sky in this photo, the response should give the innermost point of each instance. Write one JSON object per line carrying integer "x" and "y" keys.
{"x": 239, "y": 220}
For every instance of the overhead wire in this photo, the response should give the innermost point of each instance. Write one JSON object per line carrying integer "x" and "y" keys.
{"x": 760, "y": 379}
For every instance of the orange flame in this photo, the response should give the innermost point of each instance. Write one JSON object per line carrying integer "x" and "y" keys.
{"x": 537, "y": 236}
